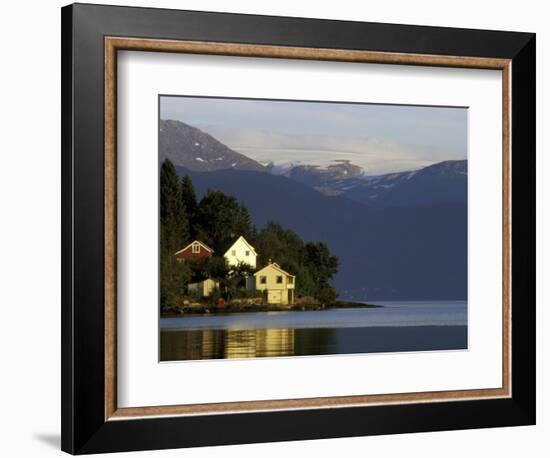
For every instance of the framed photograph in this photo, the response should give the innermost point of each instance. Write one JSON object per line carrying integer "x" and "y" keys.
{"x": 284, "y": 228}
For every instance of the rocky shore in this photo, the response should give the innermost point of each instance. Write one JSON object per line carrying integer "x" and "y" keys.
{"x": 248, "y": 305}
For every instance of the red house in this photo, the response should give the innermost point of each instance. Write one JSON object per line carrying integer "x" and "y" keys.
{"x": 194, "y": 251}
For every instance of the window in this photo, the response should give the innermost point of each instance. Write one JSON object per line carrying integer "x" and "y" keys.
{"x": 290, "y": 280}
{"x": 279, "y": 278}
{"x": 195, "y": 248}
{"x": 263, "y": 280}
{"x": 233, "y": 252}
{"x": 247, "y": 253}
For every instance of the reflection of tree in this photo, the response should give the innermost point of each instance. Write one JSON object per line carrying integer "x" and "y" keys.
{"x": 213, "y": 344}
{"x": 315, "y": 341}
{"x": 179, "y": 345}
{"x": 251, "y": 343}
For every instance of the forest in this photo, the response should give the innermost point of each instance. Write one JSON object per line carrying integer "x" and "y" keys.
{"x": 217, "y": 219}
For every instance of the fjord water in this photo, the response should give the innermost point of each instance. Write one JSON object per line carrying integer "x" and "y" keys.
{"x": 395, "y": 327}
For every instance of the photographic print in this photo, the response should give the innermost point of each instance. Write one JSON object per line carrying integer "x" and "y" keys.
{"x": 298, "y": 228}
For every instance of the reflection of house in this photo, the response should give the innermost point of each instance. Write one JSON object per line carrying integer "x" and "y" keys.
{"x": 241, "y": 252}
{"x": 251, "y": 343}
{"x": 194, "y": 251}
{"x": 203, "y": 288}
{"x": 277, "y": 284}
{"x": 275, "y": 342}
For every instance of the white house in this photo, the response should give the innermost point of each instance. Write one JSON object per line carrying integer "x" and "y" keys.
{"x": 241, "y": 251}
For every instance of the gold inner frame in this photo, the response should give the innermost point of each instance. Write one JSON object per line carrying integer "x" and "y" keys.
{"x": 114, "y": 44}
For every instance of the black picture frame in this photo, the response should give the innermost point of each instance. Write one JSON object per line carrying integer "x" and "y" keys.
{"x": 84, "y": 428}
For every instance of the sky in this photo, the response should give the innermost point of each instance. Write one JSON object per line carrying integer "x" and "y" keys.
{"x": 378, "y": 138}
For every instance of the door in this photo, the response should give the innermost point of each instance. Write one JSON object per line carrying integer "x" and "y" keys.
{"x": 274, "y": 296}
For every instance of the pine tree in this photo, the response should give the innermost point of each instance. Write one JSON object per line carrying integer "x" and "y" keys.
{"x": 189, "y": 199}
{"x": 174, "y": 234}
{"x": 322, "y": 266}
{"x": 173, "y": 215}
{"x": 320, "y": 261}
{"x": 242, "y": 223}
{"x": 221, "y": 219}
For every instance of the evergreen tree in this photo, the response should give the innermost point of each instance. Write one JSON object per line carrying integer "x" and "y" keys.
{"x": 322, "y": 267}
{"x": 189, "y": 199}
{"x": 242, "y": 223}
{"x": 320, "y": 262}
{"x": 211, "y": 267}
{"x": 221, "y": 219}
{"x": 174, "y": 233}
{"x": 173, "y": 216}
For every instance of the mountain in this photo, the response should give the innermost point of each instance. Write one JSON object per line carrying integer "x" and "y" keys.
{"x": 196, "y": 150}
{"x": 316, "y": 176}
{"x": 444, "y": 182}
{"x": 400, "y": 253}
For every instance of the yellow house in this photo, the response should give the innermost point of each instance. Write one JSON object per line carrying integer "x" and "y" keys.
{"x": 278, "y": 284}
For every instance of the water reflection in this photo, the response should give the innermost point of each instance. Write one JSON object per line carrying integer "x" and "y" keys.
{"x": 269, "y": 342}
{"x": 245, "y": 343}
{"x": 396, "y": 327}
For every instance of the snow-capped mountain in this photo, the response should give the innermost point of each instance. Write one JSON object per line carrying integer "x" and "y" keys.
{"x": 314, "y": 175}
{"x": 442, "y": 182}
{"x": 196, "y": 150}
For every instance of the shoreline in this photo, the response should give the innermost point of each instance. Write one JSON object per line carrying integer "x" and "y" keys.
{"x": 254, "y": 308}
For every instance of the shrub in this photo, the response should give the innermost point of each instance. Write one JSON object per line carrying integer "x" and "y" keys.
{"x": 170, "y": 298}
{"x": 326, "y": 294}
{"x": 214, "y": 296}
{"x": 193, "y": 296}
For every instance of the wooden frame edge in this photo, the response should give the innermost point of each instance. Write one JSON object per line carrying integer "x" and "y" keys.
{"x": 507, "y": 227}
{"x": 110, "y": 200}
{"x": 112, "y": 45}
{"x": 293, "y": 52}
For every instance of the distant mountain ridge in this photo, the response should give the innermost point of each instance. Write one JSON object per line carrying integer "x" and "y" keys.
{"x": 444, "y": 182}
{"x": 196, "y": 150}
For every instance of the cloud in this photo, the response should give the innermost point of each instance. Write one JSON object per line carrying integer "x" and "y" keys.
{"x": 379, "y": 138}
{"x": 372, "y": 154}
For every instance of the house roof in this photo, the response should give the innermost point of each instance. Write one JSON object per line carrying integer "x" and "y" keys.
{"x": 276, "y": 267}
{"x": 246, "y": 243}
{"x": 206, "y": 247}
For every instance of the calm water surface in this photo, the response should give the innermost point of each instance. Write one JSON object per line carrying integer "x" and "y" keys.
{"x": 396, "y": 327}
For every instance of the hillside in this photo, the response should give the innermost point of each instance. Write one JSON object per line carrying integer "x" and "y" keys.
{"x": 401, "y": 253}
